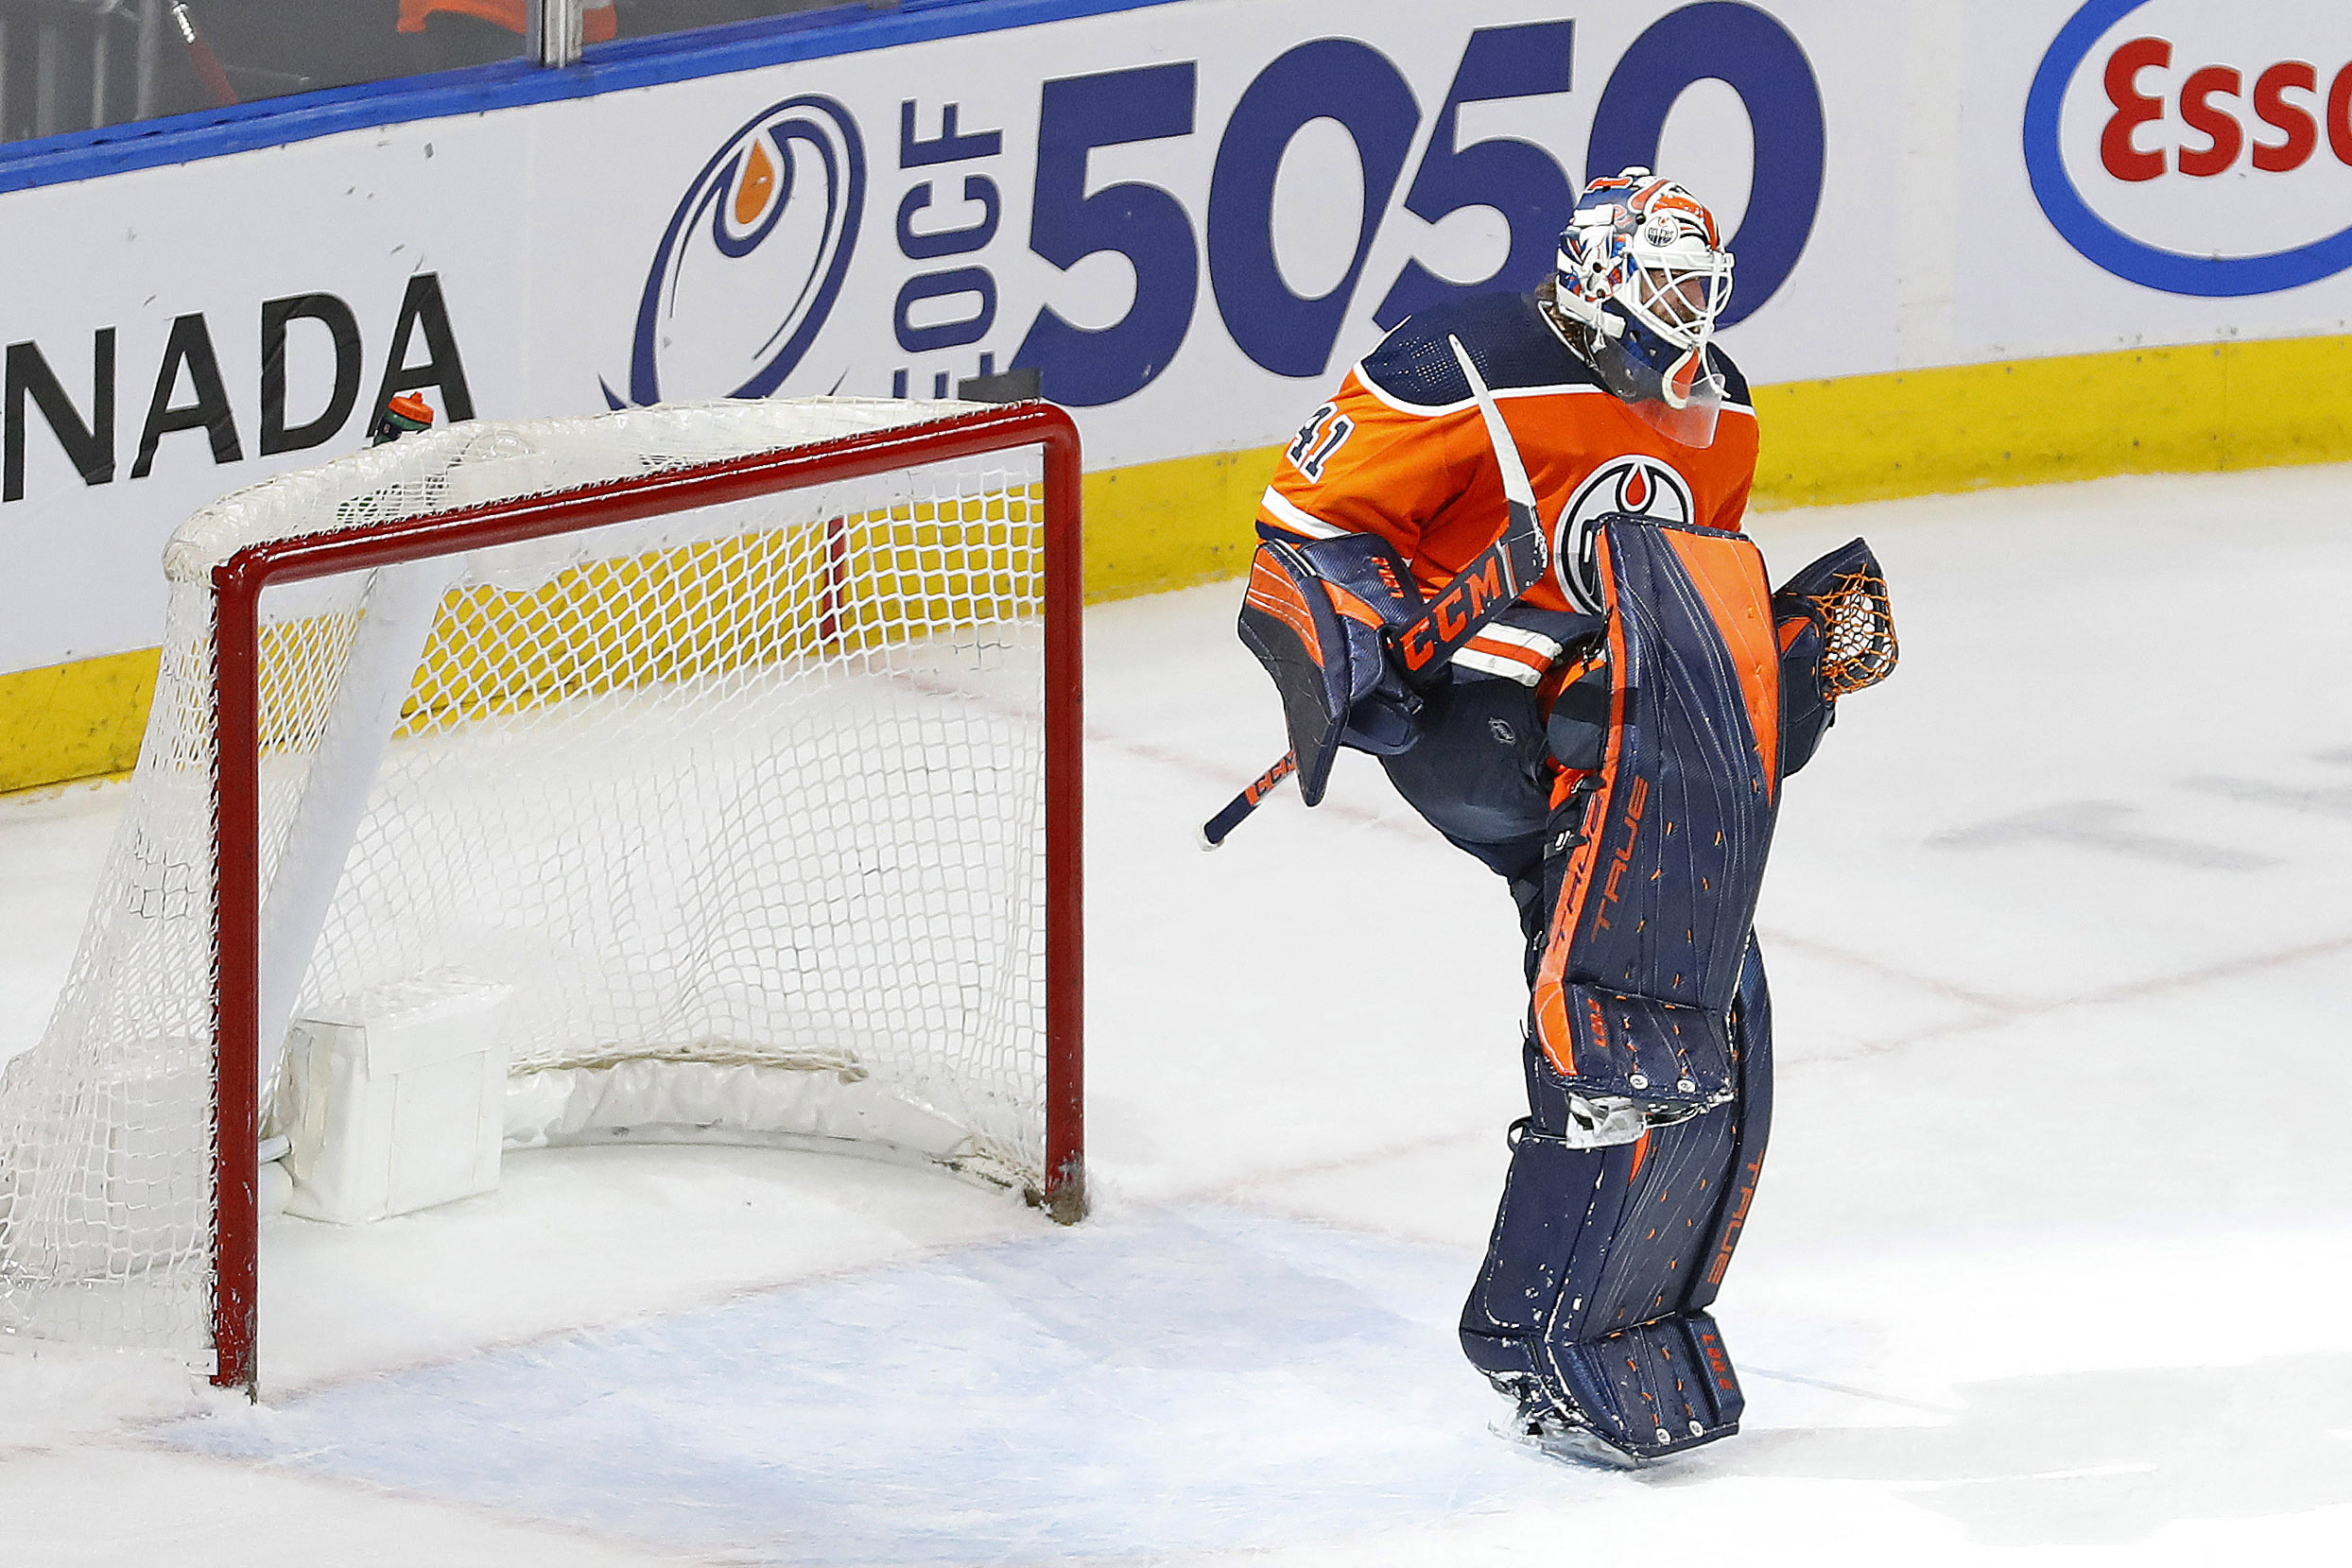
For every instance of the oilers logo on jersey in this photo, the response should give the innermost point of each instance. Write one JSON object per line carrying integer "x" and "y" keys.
{"x": 1637, "y": 484}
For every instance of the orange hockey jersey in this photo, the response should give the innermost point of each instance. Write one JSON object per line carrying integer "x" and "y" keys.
{"x": 1401, "y": 452}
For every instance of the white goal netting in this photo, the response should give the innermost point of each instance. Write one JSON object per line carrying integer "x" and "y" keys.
{"x": 740, "y": 806}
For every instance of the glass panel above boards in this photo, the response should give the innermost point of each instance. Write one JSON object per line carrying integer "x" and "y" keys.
{"x": 76, "y": 65}
{"x": 70, "y": 65}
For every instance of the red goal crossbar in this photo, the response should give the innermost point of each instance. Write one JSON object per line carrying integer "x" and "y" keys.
{"x": 238, "y": 583}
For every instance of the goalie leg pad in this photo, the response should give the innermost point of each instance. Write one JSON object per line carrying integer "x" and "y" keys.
{"x": 1593, "y": 1296}
{"x": 1655, "y": 878}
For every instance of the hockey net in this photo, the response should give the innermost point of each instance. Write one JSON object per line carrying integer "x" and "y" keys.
{"x": 718, "y": 741}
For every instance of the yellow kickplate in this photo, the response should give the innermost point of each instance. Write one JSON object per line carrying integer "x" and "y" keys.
{"x": 2198, "y": 408}
{"x": 74, "y": 721}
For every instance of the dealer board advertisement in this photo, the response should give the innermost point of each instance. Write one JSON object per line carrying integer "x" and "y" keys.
{"x": 2152, "y": 171}
{"x": 1189, "y": 216}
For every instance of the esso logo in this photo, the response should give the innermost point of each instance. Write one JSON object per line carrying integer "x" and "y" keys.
{"x": 2208, "y": 101}
{"x": 2198, "y": 149}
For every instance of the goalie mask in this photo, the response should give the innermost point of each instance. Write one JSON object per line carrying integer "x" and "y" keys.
{"x": 1643, "y": 272}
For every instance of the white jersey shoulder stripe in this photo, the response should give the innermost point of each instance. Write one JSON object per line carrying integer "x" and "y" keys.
{"x": 1291, "y": 516}
{"x": 1492, "y": 649}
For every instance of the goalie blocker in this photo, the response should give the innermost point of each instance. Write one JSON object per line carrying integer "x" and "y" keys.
{"x": 1318, "y": 617}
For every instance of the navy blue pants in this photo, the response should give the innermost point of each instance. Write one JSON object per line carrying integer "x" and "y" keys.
{"x": 1479, "y": 775}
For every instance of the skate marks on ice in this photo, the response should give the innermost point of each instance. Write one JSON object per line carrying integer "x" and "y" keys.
{"x": 2192, "y": 881}
{"x": 2107, "y": 826}
{"x": 2329, "y": 800}
{"x": 2110, "y": 827}
{"x": 1179, "y": 1381}
{"x": 2103, "y": 1458}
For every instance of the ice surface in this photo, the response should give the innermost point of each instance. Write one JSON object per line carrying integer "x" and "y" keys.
{"x": 2048, "y": 1263}
{"x": 1080, "y": 1395}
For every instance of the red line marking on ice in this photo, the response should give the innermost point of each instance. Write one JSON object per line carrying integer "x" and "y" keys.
{"x": 2130, "y": 990}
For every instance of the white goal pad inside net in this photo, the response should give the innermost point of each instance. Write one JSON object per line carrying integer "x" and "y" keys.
{"x": 738, "y": 809}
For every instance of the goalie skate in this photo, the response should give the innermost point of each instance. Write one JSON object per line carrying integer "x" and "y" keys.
{"x": 1536, "y": 1423}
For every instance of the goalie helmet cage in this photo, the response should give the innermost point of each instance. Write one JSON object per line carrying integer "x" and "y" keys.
{"x": 777, "y": 563}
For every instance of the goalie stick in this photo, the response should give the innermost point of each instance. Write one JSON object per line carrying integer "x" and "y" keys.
{"x": 200, "y": 56}
{"x": 1490, "y": 584}
{"x": 1213, "y": 831}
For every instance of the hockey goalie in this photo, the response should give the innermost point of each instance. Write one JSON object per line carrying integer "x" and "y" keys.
{"x": 1505, "y": 558}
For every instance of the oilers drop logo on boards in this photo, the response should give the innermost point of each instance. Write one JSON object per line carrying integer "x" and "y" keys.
{"x": 753, "y": 260}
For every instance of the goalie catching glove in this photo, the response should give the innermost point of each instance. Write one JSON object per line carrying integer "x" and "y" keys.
{"x": 1319, "y": 616}
{"x": 1836, "y": 629}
